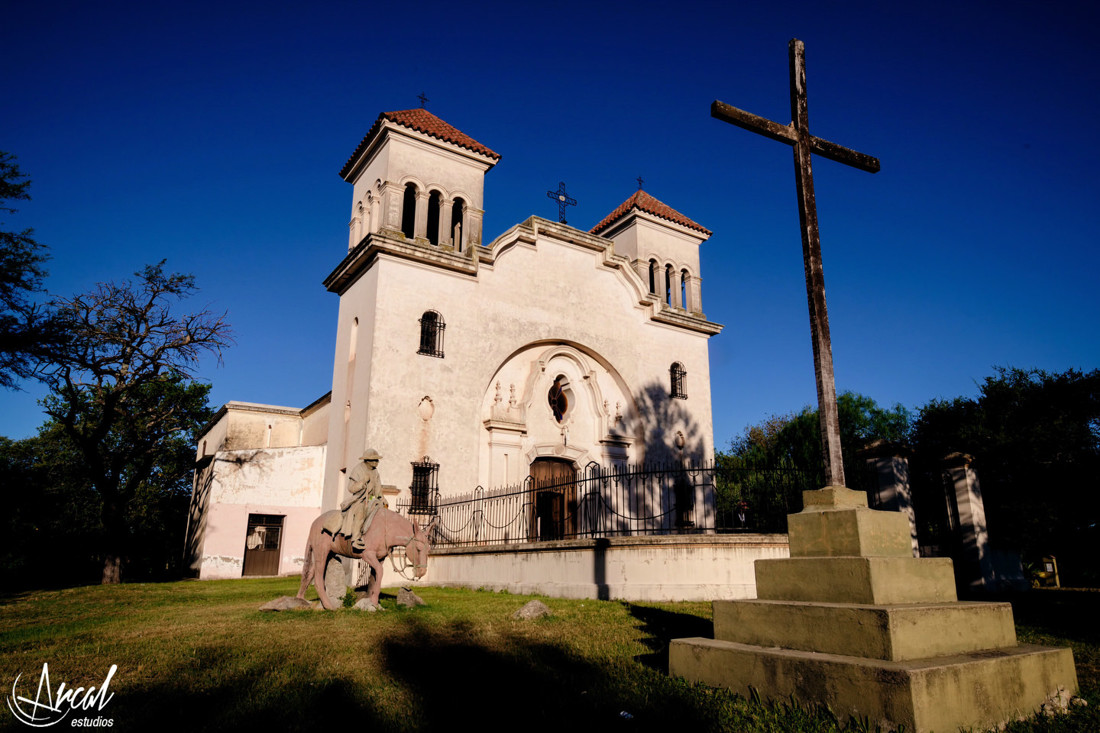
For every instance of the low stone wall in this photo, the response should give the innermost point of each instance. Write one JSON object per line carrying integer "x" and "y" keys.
{"x": 661, "y": 568}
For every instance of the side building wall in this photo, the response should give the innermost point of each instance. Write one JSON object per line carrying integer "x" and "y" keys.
{"x": 257, "y": 490}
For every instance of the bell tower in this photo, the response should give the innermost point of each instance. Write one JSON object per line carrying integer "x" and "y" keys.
{"x": 418, "y": 179}
{"x": 413, "y": 241}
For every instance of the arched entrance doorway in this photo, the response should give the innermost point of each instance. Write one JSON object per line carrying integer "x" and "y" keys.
{"x": 553, "y": 502}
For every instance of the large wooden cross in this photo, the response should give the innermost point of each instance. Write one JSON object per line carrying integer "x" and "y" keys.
{"x": 797, "y": 135}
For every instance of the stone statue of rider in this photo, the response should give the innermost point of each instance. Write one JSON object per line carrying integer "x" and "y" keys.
{"x": 363, "y": 502}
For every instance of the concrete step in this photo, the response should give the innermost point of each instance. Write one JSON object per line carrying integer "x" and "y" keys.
{"x": 976, "y": 690}
{"x": 896, "y": 633}
{"x": 877, "y": 581}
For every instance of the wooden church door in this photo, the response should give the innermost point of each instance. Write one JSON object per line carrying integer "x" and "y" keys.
{"x": 554, "y": 502}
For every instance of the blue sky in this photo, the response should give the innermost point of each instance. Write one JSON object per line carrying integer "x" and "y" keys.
{"x": 211, "y": 134}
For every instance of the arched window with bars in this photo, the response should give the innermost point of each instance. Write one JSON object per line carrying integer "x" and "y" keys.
{"x": 431, "y": 334}
{"x": 677, "y": 375}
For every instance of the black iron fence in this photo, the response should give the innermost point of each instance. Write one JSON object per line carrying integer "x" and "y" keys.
{"x": 620, "y": 500}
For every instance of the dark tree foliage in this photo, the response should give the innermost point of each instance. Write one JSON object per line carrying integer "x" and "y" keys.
{"x": 1035, "y": 440}
{"x": 53, "y": 532}
{"x": 47, "y": 535}
{"x": 770, "y": 464}
{"x": 795, "y": 439}
{"x": 122, "y": 396}
{"x": 24, "y": 330}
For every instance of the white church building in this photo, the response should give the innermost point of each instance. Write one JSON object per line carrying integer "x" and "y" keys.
{"x": 466, "y": 363}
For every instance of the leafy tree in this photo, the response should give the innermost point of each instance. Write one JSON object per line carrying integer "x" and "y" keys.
{"x": 770, "y": 464}
{"x": 49, "y": 530}
{"x": 795, "y": 439}
{"x": 123, "y": 397}
{"x": 1035, "y": 440}
{"x": 52, "y": 531}
{"x": 23, "y": 327}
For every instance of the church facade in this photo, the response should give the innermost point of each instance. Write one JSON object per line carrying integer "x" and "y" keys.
{"x": 469, "y": 363}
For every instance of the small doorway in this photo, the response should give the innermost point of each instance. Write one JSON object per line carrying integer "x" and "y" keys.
{"x": 262, "y": 543}
{"x": 553, "y": 514}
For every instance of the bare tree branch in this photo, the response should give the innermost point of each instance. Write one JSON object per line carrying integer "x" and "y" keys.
{"x": 121, "y": 382}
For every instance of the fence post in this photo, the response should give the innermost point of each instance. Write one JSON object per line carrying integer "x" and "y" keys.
{"x": 706, "y": 498}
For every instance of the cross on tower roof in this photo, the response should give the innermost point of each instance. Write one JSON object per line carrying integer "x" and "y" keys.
{"x": 423, "y": 100}
{"x": 563, "y": 200}
{"x": 640, "y": 181}
{"x": 797, "y": 134}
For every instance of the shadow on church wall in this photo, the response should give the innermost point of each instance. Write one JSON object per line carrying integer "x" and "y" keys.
{"x": 664, "y": 421}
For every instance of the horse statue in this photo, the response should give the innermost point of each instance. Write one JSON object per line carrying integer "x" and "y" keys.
{"x": 387, "y": 530}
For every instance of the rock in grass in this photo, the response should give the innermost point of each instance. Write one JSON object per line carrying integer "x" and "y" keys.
{"x": 286, "y": 603}
{"x": 408, "y": 599}
{"x": 532, "y": 609}
{"x": 364, "y": 604}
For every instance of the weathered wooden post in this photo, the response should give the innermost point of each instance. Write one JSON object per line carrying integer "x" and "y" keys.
{"x": 797, "y": 135}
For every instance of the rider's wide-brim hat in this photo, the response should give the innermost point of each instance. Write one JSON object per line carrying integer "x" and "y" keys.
{"x": 370, "y": 454}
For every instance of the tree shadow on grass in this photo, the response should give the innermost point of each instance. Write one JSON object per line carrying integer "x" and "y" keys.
{"x": 436, "y": 676}
{"x": 533, "y": 686}
{"x": 661, "y": 628}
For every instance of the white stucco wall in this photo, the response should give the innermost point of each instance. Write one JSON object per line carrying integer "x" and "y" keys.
{"x": 279, "y": 481}
{"x": 692, "y": 568}
{"x": 532, "y": 297}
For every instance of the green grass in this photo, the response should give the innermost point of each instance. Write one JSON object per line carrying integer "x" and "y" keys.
{"x": 201, "y": 656}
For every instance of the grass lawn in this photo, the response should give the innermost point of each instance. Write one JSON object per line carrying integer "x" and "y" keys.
{"x": 200, "y": 656}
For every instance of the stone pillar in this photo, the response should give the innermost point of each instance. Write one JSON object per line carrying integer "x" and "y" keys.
{"x": 472, "y": 225}
{"x": 446, "y": 237}
{"x": 420, "y": 228}
{"x": 966, "y": 513}
{"x": 888, "y": 466}
{"x": 695, "y": 295}
{"x": 392, "y": 197}
{"x": 353, "y": 233}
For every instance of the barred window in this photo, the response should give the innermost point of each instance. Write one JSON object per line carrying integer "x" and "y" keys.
{"x": 431, "y": 334}
{"x": 677, "y": 374}
{"x": 425, "y": 487}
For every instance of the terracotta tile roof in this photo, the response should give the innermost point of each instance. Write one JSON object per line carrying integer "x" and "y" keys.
{"x": 423, "y": 121}
{"x": 644, "y": 202}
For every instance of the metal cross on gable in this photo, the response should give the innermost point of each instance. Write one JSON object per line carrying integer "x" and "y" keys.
{"x": 423, "y": 100}
{"x": 563, "y": 200}
{"x": 797, "y": 135}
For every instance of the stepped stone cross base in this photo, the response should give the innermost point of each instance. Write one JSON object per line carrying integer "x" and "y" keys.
{"x": 854, "y": 622}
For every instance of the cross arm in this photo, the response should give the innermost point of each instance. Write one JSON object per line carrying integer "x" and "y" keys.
{"x": 841, "y": 154}
{"x": 787, "y": 134}
{"x": 559, "y": 196}
{"x": 753, "y": 123}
